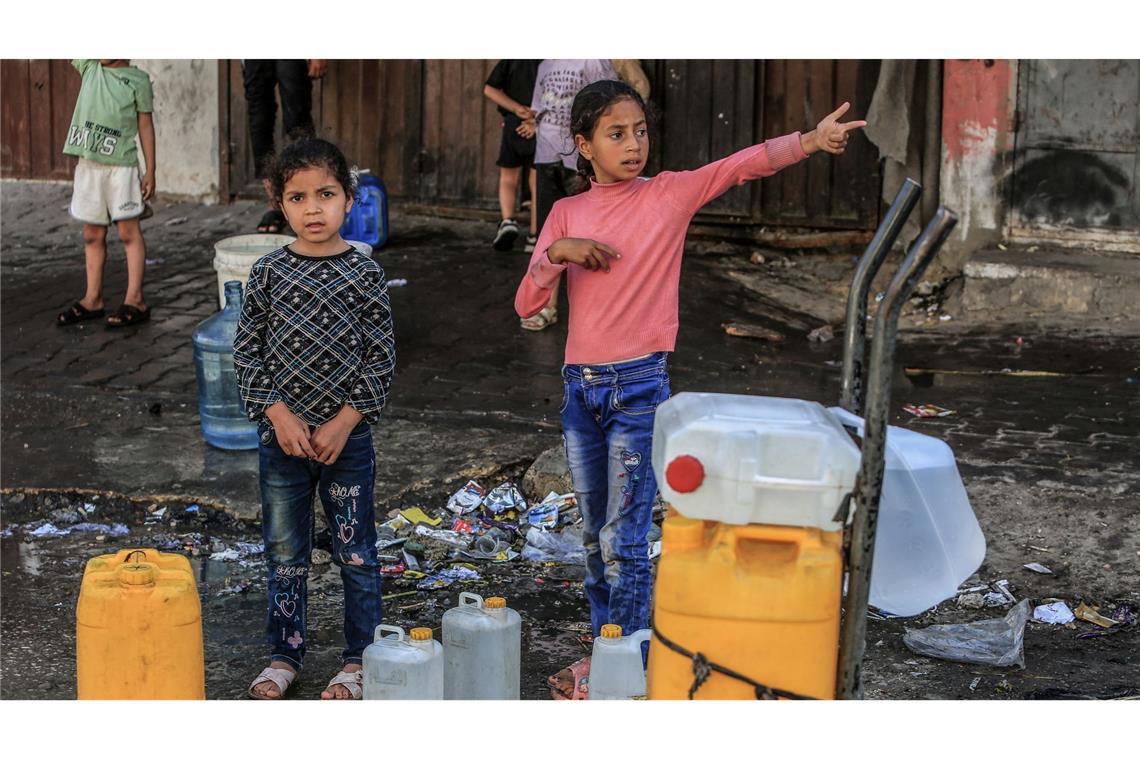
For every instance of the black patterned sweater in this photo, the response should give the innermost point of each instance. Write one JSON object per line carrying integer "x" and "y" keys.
{"x": 316, "y": 333}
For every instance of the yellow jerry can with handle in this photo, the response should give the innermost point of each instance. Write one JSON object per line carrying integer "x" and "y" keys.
{"x": 139, "y": 628}
{"x": 761, "y": 601}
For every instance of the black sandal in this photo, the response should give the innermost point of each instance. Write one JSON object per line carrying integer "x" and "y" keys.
{"x": 77, "y": 313}
{"x": 128, "y": 315}
{"x": 273, "y": 222}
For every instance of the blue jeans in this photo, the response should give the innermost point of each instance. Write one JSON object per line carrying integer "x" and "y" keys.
{"x": 607, "y": 418}
{"x": 345, "y": 487}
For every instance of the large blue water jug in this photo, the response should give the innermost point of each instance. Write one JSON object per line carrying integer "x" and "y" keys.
{"x": 368, "y": 219}
{"x": 224, "y": 424}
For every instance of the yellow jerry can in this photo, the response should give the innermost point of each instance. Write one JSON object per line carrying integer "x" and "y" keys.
{"x": 139, "y": 628}
{"x": 760, "y": 600}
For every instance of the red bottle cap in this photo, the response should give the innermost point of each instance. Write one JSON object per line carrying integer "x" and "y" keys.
{"x": 685, "y": 474}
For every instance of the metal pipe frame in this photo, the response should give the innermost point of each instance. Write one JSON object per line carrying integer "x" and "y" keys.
{"x": 855, "y": 329}
{"x": 869, "y": 483}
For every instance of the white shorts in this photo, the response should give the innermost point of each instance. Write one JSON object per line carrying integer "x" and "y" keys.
{"x": 104, "y": 194}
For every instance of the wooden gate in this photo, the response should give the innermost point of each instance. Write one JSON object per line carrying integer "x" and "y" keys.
{"x": 38, "y": 100}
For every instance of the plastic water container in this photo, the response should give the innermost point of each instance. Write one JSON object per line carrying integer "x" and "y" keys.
{"x": 368, "y": 219}
{"x": 753, "y": 459}
{"x": 399, "y": 666}
{"x": 482, "y": 643}
{"x": 138, "y": 628}
{"x": 224, "y": 423}
{"x": 616, "y": 670}
{"x": 928, "y": 540}
{"x": 233, "y": 257}
{"x": 760, "y": 600}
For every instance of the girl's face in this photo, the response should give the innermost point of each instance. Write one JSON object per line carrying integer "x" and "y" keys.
{"x": 315, "y": 205}
{"x": 619, "y": 147}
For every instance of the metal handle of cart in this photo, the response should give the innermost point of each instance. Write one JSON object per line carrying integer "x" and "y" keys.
{"x": 869, "y": 482}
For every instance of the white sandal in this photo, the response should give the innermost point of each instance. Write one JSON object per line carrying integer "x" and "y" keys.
{"x": 541, "y": 320}
{"x": 353, "y": 681}
{"x": 279, "y": 677}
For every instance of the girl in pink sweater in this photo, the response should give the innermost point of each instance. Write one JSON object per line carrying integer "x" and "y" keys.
{"x": 620, "y": 244}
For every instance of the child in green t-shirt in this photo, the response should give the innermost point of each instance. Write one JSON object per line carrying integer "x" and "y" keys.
{"x": 114, "y": 106}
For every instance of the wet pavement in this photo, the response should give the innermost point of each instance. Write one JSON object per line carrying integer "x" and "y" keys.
{"x": 1049, "y": 462}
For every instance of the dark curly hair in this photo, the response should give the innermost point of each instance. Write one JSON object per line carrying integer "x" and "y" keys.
{"x": 590, "y": 104}
{"x": 308, "y": 153}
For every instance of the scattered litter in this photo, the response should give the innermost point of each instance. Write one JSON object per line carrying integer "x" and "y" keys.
{"x": 89, "y": 508}
{"x": 229, "y": 555}
{"x": 467, "y": 499}
{"x": 757, "y": 258}
{"x": 1124, "y": 614}
{"x": 944, "y": 318}
{"x": 821, "y": 334}
{"x": 399, "y": 282}
{"x": 115, "y": 530}
{"x": 155, "y": 516}
{"x": 154, "y": 262}
{"x": 450, "y": 537}
{"x": 655, "y": 550}
{"x": 6, "y": 533}
{"x": 445, "y": 578}
{"x": 249, "y": 549}
{"x": 880, "y": 296}
{"x": 1038, "y": 568}
{"x": 416, "y": 515}
{"x": 47, "y": 529}
{"x": 927, "y": 410}
{"x": 503, "y": 498}
{"x": 997, "y": 641}
{"x": 994, "y": 599}
{"x": 192, "y": 509}
{"x": 1002, "y": 587}
{"x": 565, "y": 547}
{"x": 975, "y": 682}
{"x": 745, "y": 330}
{"x": 240, "y": 587}
{"x": 972, "y": 601}
{"x": 397, "y": 522}
{"x": 544, "y": 515}
{"x": 176, "y": 220}
{"x": 1055, "y": 613}
{"x": 1091, "y": 615}
{"x": 459, "y": 525}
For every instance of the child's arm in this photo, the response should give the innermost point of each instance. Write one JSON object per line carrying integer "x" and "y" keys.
{"x": 255, "y": 385}
{"x": 691, "y": 190}
{"x": 369, "y": 394}
{"x": 552, "y": 253}
{"x": 146, "y": 137}
{"x": 500, "y": 98}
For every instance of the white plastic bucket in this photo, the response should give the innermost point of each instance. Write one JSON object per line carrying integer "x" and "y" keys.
{"x": 481, "y": 649}
{"x": 753, "y": 459}
{"x": 235, "y": 255}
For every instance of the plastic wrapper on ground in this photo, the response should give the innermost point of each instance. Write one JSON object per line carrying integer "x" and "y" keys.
{"x": 503, "y": 498}
{"x": 997, "y": 642}
{"x": 565, "y": 547}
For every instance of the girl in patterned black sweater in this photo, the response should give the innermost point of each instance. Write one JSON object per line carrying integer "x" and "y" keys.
{"x": 314, "y": 354}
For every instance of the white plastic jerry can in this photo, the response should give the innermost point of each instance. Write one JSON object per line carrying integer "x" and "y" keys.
{"x": 616, "y": 669}
{"x": 402, "y": 666}
{"x": 482, "y": 641}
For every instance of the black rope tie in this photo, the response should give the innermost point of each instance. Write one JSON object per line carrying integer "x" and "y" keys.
{"x": 703, "y": 668}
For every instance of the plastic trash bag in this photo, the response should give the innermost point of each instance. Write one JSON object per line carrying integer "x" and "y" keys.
{"x": 565, "y": 547}
{"x": 987, "y": 642}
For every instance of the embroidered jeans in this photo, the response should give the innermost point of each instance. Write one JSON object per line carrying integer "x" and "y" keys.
{"x": 345, "y": 488}
{"x": 607, "y": 418}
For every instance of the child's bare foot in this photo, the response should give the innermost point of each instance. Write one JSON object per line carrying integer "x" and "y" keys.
{"x": 572, "y": 682}
{"x": 347, "y": 684}
{"x": 268, "y": 689}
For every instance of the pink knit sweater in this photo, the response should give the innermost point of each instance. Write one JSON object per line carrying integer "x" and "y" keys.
{"x": 632, "y": 309}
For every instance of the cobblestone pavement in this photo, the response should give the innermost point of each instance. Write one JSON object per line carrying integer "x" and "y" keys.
{"x": 1050, "y": 463}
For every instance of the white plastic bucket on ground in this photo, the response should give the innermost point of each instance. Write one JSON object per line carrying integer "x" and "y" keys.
{"x": 616, "y": 669}
{"x": 235, "y": 255}
{"x": 753, "y": 459}
{"x": 928, "y": 540}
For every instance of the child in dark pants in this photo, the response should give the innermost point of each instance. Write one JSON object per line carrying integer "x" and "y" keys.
{"x": 509, "y": 87}
{"x": 314, "y": 354}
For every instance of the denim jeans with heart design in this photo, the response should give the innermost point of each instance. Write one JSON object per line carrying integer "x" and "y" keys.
{"x": 287, "y": 521}
{"x": 607, "y": 419}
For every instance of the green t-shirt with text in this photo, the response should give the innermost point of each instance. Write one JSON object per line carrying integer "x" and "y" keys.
{"x": 106, "y": 118}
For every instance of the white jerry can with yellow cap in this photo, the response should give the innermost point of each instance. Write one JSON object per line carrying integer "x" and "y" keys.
{"x": 482, "y": 646}
{"x": 616, "y": 668}
{"x": 403, "y": 665}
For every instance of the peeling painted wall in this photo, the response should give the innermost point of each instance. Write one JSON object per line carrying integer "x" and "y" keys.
{"x": 186, "y": 119}
{"x": 979, "y": 102}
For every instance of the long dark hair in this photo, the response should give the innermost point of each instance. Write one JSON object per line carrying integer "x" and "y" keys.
{"x": 308, "y": 153}
{"x": 590, "y": 104}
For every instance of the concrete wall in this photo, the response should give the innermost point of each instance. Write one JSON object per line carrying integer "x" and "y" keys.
{"x": 186, "y": 123}
{"x": 979, "y": 103}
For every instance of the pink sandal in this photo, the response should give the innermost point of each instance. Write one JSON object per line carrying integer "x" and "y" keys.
{"x": 580, "y": 670}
